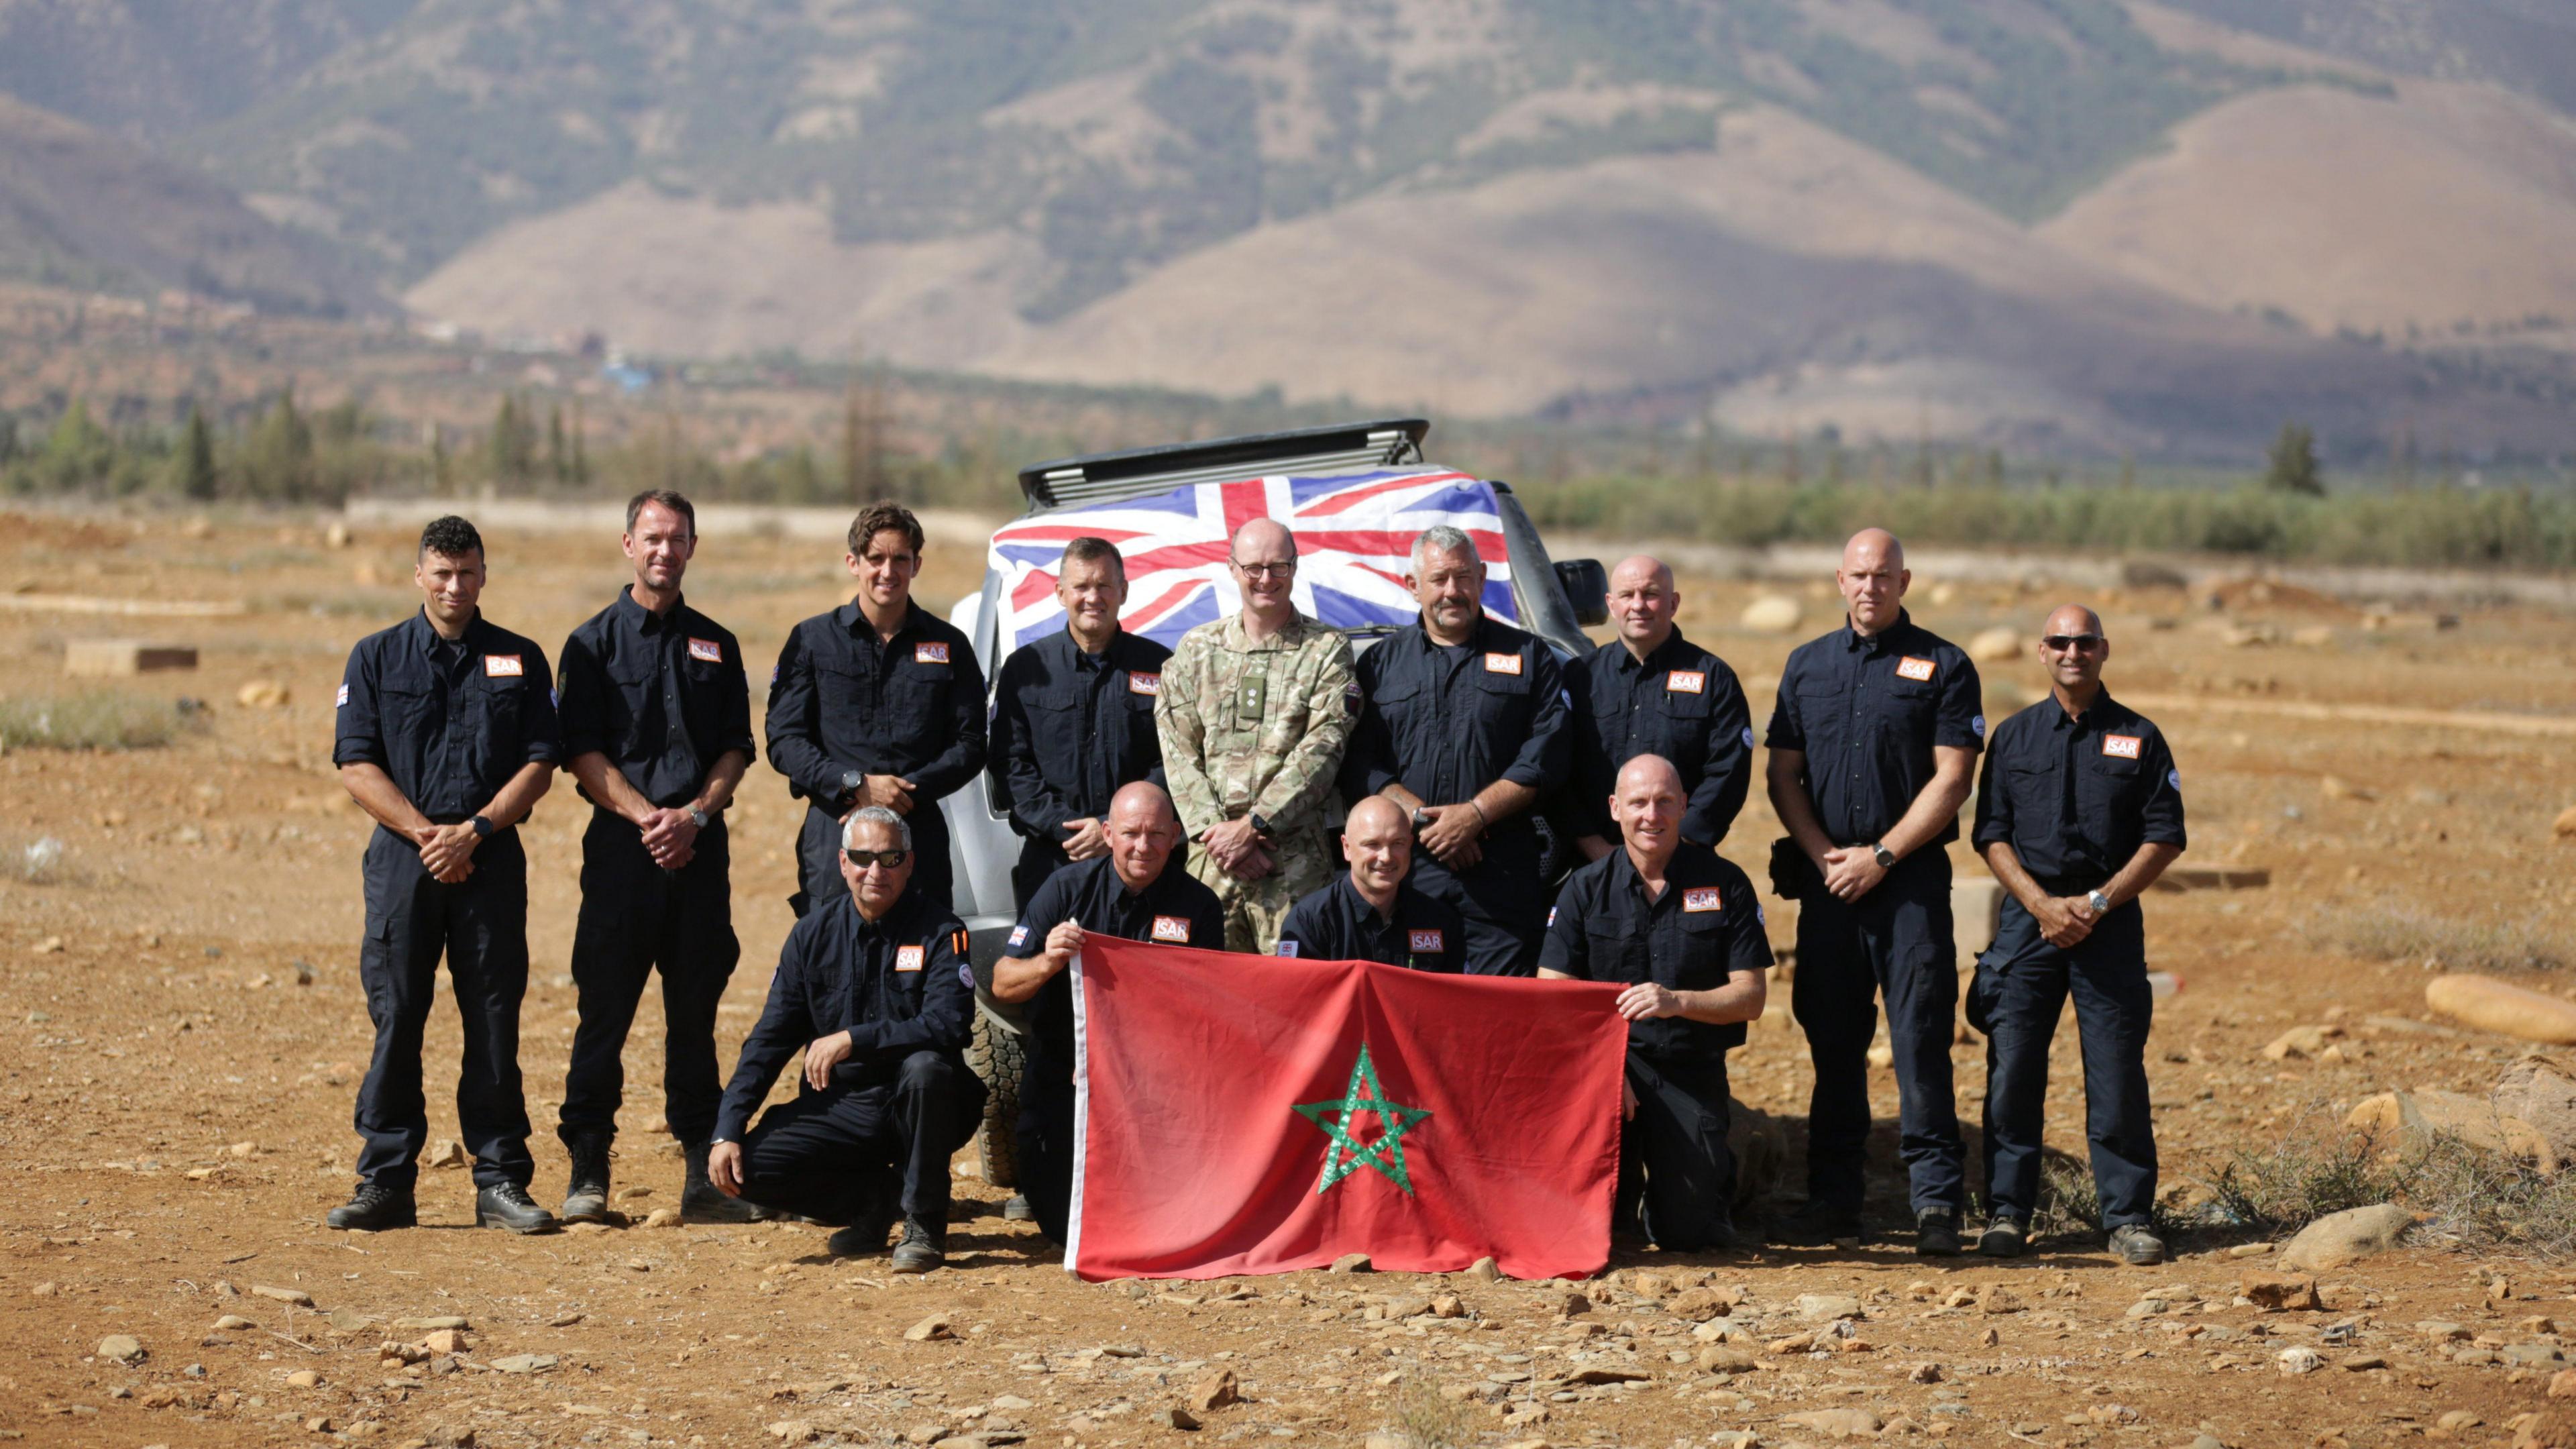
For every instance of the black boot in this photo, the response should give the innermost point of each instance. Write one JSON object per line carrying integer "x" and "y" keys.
{"x": 701, "y": 1201}
{"x": 586, "y": 1195}
{"x": 509, "y": 1206}
{"x": 923, "y": 1248}
{"x": 374, "y": 1208}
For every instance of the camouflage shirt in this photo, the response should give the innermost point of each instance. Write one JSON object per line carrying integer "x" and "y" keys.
{"x": 1255, "y": 728}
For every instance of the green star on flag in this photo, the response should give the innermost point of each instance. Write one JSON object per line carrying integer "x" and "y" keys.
{"x": 1345, "y": 1154}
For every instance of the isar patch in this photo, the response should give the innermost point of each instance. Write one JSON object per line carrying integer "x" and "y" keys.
{"x": 1910, "y": 667}
{"x": 2122, "y": 747}
{"x": 1703, "y": 898}
{"x": 1173, "y": 929}
{"x": 503, "y": 666}
{"x": 1426, "y": 940}
{"x": 1144, "y": 684}
{"x": 706, "y": 651}
{"x": 1687, "y": 681}
{"x": 929, "y": 653}
{"x": 907, "y": 958}
{"x": 1502, "y": 664}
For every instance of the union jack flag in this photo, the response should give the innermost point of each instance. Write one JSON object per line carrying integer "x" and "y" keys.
{"x": 1354, "y": 536}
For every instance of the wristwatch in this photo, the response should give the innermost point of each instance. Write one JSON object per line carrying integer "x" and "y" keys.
{"x": 482, "y": 828}
{"x": 1259, "y": 825}
{"x": 851, "y": 780}
{"x": 1885, "y": 857}
{"x": 697, "y": 817}
{"x": 2100, "y": 903}
{"x": 1421, "y": 819}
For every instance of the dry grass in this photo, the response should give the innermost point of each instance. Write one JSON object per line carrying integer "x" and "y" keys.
{"x": 2471, "y": 1197}
{"x": 2495, "y": 942}
{"x": 98, "y": 720}
{"x": 1427, "y": 1421}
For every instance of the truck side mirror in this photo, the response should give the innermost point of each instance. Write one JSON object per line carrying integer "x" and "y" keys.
{"x": 1587, "y": 589}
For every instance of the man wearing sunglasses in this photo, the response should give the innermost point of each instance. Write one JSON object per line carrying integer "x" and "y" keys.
{"x": 2079, "y": 810}
{"x": 1136, "y": 892}
{"x": 1874, "y": 744}
{"x": 875, "y": 986}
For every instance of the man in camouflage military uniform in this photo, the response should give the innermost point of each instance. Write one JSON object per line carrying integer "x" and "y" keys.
{"x": 1254, "y": 712}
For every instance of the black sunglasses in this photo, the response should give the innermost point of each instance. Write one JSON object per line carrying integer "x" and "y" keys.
{"x": 887, "y": 858}
{"x": 2062, "y": 643}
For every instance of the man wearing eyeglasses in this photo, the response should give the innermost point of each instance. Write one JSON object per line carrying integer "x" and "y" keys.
{"x": 2078, "y": 812}
{"x": 1874, "y": 743}
{"x": 1254, "y": 713}
{"x": 874, "y": 985}
{"x": 1134, "y": 892}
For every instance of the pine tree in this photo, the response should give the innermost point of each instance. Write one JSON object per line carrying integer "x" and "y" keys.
{"x": 2293, "y": 466}
{"x": 193, "y": 466}
{"x": 580, "y": 453}
{"x": 558, "y": 463}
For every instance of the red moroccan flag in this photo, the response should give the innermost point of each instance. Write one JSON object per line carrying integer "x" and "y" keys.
{"x": 1254, "y": 1114}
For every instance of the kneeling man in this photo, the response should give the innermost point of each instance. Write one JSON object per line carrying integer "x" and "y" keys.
{"x": 1139, "y": 891}
{"x": 877, "y": 990}
{"x": 1680, "y": 927}
{"x": 1372, "y": 912}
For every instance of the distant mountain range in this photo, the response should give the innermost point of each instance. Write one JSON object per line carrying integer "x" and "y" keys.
{"x": 2070, "y": 224}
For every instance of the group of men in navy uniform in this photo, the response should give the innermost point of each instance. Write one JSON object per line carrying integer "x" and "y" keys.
{"x": 1460, "y": 735}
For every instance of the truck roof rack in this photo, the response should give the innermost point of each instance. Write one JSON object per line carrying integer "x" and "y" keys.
{"x": 1102, "y": 477}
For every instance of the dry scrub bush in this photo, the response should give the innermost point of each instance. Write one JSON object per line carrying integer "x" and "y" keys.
{"x": 2405, "y": 933}
{"x": 98, "y": 720}
{"x": 2471, "y": 1197}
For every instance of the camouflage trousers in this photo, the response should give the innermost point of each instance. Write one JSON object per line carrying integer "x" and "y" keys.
{"x": 1255, "y": 909}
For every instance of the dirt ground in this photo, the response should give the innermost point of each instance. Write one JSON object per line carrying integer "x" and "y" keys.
{"x": 181, "y": 1031}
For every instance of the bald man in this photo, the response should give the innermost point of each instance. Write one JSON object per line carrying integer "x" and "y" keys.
{"x": 2079, "y": 810}
{"x": 1679, "y": 927}
{"x": 1133, "y": 892}
{"x": 1254, "y": 715}
{"x": 1373, "y": 913}
{"x": 1873, "y": 748}
{"x": 1652, "y": 692}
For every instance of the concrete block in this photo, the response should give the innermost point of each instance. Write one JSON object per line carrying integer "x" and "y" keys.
{"x": 100, "y": 658}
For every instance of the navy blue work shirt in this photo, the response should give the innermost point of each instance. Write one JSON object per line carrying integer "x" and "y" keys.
{"x": 661, "y": 695}
{"x": 448, "y": 722}
{"x": 1070, "y": 728}
{"x": 1445, "y": 721}
{"x": 899, "y": 984}
{"x": 1680, "y": 702}
{"x": 1867, "y": 713}
{"x": 841, "y": 701}
{"x": 1706, "y": 926}
{"x": 1337, "y": 923}
{"x": 2075, "y": 798}
{"x": 1174, "y": 910}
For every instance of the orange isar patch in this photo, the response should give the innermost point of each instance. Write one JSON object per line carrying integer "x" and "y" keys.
{"x": 1703, "y": 898}
{"x": 2121, "y": 747}
{"x": 929, "y": 653}
{"x": 1144, "y": 684}
{"x": 1502, "y": 664}
{"x": 1173, "y": 929}
{"x": 1687, "y": 681}
{"x": 907, "y": 958}
{"x": 1426, "y": 941}
{"x": 503, "y": 666}
{"x": 1910, "y": 667}
{"x": 706, "y": 650}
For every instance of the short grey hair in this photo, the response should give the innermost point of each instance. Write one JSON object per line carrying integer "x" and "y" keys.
{"x": 1444, "y": 538}
{"x": 877, "y": 815}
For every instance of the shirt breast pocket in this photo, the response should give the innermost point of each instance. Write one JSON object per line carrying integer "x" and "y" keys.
{"x": 841, "y": 688}
{"x": 1822, "y": 708}
{"x": 1398, "y": 702}
{"x": 500, "y": 706}
{"x": 2109, "y": 786}
{"x": 915, "y": 693}
{"x": 1616, "y": 955}
{"x": 2033, "y": 793}
{"x": 1700, "y": 963}
{"x": 1909, "y": 706}
{"x": 1502, "y": 698}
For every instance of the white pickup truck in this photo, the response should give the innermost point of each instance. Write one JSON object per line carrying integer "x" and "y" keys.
{"x": 1354, "y": 495}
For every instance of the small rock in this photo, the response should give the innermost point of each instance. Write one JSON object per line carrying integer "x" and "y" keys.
{"x": 2146, "y": 1308}
{"x": 1925, "y": 1373}
{"x": 929, "y": 1329}
{"x": 1448, "y": 1305}
{"x": 443, "y": 1341}
{"x": 2276, "y": 1292}
{"x": 121, "y": 1348}
{"x": 1406, "y": 1306}
{"x": 1699, "y": 1304}
{"x": 1350, "y": 1263}
{"x": 2249, "y": 1250}
{"x": 296, "y": 1296}
{"x": 565, "y": 1319}
{"x": 244, "y": 1149}
{"x": 2457, "y": 1419}
{"x": 1838, "y": 1423}
{"x": 1719, "y": 1359}
{"x": 1990, "y": 1339}
{"x": 233, "y": 1323}
{"x": 1996, "y": 646}
{"x": 443, "y": 1153}
{"x": 662, "y": 1217}
{"x": 1173, "y": 1419}
{"x": 794, "y": 1431}
{"x": 1730, "y": 1439}
{"x": 1995, "y": 1298}
{"x": 1485, "y": 1269}
{"x": 2300, "y": 1361}
{"x": 262, "y": 694}
{"x": 1770, "y": 614}
{"x": 304, "y": 1379}
{"x": 526, "y": 1363}
{"x": 433, "y": 1322}
{"x": 349, "y": 1320}
{"x": 2442, "y": 1332}
{"x": 1819, "y": 1307}
{"x": 2340, "y": 1239}
{"x": 2562, "y": 1384}
{"x": 1569, "y": 1302}
{"x": 2301, "y": 1041}
{"x": 1210, "y": 1392}
{"x": 2363, "y": 1362}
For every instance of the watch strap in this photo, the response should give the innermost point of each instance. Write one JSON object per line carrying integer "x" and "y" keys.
{"x": 483, "y": 827}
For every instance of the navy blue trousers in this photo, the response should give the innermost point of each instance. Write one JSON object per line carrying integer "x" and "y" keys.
{"x": 1894, "y": 942}
{"x": 2021, "y": 986}
{"x": 832, "y": 1154}
{"x": 635, "y": 918}
{"x": 481, "y": 927}
{"x": 1676, "y": 1173}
